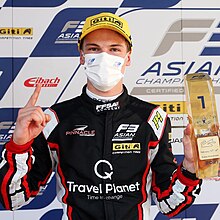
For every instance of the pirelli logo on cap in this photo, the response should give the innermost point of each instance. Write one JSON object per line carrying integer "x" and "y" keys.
{"x": 108, "y": 19}
{"x": 126, "y": 146}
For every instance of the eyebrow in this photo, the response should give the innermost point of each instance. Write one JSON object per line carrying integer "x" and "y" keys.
{"x": 116, "y": 45}
{"x": 96, "y": 45}
{"x": 91, "y": 44}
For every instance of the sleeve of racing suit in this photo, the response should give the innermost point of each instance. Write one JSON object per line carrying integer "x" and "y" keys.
{"x": 24, "y": 171}
{"x": 172, "y": 190}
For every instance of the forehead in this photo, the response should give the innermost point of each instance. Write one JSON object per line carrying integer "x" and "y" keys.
{"x": 104, "y": 36}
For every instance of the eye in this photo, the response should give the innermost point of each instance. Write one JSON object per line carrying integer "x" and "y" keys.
{"x": 93, "y": 49}
{"x": 115, "y": 49}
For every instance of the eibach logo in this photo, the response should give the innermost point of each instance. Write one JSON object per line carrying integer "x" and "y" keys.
{"x": 34, "y": 81}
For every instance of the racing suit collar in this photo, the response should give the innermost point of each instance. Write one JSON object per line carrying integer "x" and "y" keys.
{"x": 100, "y": 107}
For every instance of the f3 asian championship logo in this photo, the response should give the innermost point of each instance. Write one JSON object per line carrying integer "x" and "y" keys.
{"x": 189, "y": 45}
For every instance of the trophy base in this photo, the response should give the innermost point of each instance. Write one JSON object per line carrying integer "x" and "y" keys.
{"x": 208, "y": 169}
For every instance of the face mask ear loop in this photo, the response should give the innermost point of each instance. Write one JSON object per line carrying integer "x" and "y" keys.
{"x": 83, "y": 54}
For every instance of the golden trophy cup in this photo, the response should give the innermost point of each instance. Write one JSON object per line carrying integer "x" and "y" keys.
{"x": 203, "y": 118}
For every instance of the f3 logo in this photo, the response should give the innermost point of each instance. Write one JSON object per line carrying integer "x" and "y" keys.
{"x": 176, "y": 33}
{"x": 128, "y": 128}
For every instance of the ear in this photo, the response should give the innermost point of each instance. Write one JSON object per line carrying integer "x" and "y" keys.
{"x": 128, "y": 60}
{"x": 82, "y": 58}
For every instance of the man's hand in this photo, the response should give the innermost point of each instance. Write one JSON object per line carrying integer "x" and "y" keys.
{"x": 31, "y": 120}
{"x": 188, "y": 161}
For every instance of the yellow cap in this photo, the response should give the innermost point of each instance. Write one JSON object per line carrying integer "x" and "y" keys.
{"x": 106, "y": 20}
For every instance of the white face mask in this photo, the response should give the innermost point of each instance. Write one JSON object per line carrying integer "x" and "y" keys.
{"x": 103, "y": 70}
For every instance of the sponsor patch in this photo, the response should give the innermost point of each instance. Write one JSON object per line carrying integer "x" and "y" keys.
{"x": 108, "y": 107}
{"x": 157, "y": 120}
{"x": 125, "y": 132}
{"x": 126, "y": 148}
{"x": 81, "y": 130}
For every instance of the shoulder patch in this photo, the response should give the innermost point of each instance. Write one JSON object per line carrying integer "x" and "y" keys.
{"x": 157, "y": 120}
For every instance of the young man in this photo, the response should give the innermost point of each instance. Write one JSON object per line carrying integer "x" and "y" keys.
{"x": 110, "y": 150}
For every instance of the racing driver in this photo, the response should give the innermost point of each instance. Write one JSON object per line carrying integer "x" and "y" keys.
{"x": 110, "y": 151}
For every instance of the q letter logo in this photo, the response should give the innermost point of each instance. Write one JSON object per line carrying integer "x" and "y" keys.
{"x": 107, "y": 174}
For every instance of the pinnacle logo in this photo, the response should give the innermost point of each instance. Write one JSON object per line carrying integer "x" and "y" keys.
{"x": 80, "y": 130}
{"x": 23, "y": 31}
{"x": 70, "y": 32}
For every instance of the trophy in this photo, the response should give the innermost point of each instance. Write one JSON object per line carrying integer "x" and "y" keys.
{"x": 203, "y": 118}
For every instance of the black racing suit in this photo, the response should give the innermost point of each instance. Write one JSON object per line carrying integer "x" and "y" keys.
{"x": 109, "y": 159}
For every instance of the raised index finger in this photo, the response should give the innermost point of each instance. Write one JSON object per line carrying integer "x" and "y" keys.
{"x": 34, "y": 97}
